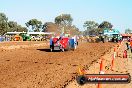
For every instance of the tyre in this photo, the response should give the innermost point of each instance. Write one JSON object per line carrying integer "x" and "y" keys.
{"x": 62, "y": 49}
{"x": 51, "y": 49}
{"x": 68, "y": 47}
{"x": 77, "y": 43}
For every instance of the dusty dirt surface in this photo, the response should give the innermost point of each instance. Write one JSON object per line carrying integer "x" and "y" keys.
{"x": 37, "y": 67}
{"x": 121, "y": 66}
{"x": 19, "y": 45}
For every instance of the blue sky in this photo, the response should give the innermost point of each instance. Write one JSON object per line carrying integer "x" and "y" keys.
{"x": 118, "y": 12}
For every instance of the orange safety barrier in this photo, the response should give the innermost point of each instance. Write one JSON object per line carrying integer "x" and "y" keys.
{"x": 99, "y": 85}
{"x": 125, "y": 54}
{"x": 81, "y": 71}
{"x": 101, "y": 72}
{"x": 101, "y": 67}
{"x": 112, "y": 63}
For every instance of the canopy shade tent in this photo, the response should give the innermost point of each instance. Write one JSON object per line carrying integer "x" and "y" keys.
{"x": 15, "y": 32}
{"x": 111, "y": 32}
{"x": 30, "y": 33}
{"x": 40, "y": 33}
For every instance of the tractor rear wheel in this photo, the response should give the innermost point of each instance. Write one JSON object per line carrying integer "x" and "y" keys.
{"x": 68, "y": 47}
{"x": 75, "y": 47}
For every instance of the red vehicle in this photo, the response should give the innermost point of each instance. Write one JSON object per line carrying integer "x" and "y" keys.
{"x": 59, "y": 44}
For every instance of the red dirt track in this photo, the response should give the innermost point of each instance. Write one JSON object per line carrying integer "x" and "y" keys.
{"x": 37, "y": 67}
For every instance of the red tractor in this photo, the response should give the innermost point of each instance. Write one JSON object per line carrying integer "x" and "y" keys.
{"x": 59, "y": 44}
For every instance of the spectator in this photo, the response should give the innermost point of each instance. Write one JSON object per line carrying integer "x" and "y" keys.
{"x": 102, "y": 39}
{"x": 131, "y": 45}
{"x": 127, "y": 44}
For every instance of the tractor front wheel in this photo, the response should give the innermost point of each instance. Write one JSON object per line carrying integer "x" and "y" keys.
{"x": 51, "y": 49}
{"x": 75, "y": 47}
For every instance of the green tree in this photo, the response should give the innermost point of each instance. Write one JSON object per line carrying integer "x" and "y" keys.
{"x": 13, "y": 26}
{"x": 64, "y": 19}
{"x": 128, "y": 31}
{"x": 3, "y": 23}
{"x": 105, "y": 24}
{"x": 35, "y": 24}
{"x": 46, "y": 26}
{"x": 91, "y": 27}
{"x": 21, "y": 29}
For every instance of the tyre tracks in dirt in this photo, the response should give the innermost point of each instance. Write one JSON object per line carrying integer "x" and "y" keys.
{"x": 37, "y": 67}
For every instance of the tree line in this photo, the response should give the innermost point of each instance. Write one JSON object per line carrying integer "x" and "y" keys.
{"x": 6, "y": 25}
{"x": 128, "y": 31}
{"x": 62, "y": 23}
{"x": 93, "y": 28}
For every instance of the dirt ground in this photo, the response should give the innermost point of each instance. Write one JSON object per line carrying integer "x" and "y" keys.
{"x": 32, "y": 65}
{"x": 121, "y": 66}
